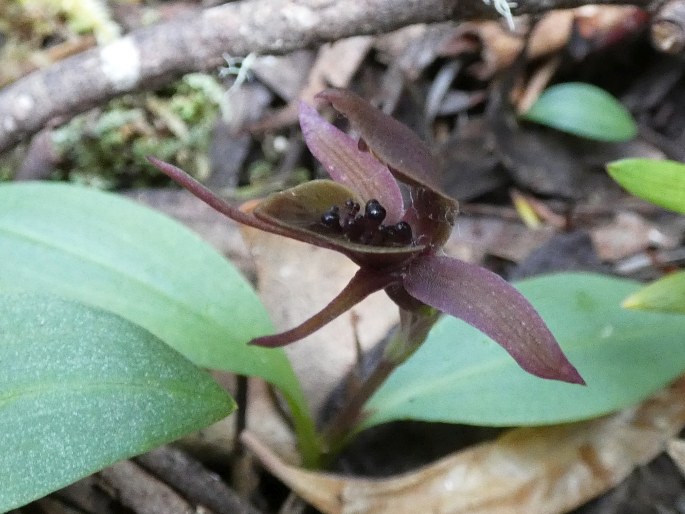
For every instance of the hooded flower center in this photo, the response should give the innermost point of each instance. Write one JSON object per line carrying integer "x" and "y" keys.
{"x": 366, "y": 228}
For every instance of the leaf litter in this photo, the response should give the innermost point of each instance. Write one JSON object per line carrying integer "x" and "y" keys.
{"x": 542, "y": 470}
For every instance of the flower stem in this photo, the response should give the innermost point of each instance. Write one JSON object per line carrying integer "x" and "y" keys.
{"x": 412, "y": 332}
{"x": 341, "y": 427}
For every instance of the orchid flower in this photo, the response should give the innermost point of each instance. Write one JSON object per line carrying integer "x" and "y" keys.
{"x": 363, "y": 214}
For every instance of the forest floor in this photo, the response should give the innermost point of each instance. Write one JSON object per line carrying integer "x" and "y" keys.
{"x": 460, "y": 87}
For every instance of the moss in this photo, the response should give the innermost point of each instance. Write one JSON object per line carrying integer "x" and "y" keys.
{"x": 80, "y": 16}
{"x": 31, "y": 29}
{"x": 107, "y": 147}
{"x": 11, "y": 161}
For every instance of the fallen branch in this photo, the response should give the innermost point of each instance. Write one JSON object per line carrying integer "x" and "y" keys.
{"x": 154, "y": 55}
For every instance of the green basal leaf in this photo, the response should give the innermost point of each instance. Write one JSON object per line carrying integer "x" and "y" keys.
{"x": 81, "y": 388}
{"x": 108, "y": 252}
{"x": 666, "y": 294}
{"x": 659, "y": 182}
{"x": 583, "y": 110}
{"x": 461, "y": 376}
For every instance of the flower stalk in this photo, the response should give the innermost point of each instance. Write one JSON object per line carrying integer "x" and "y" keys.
{"x": 407, "y": 338}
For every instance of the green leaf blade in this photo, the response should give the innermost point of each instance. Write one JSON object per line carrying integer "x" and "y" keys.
{"x": 665, "y": 295}
{"x": 659, "y": 182}
{"x": 105, "y": 251}
{"x": 81, "y": 388}
{"x": 108, "y": 252}
{"x": 583, "y": 110}
{"x": 461, "y": 376}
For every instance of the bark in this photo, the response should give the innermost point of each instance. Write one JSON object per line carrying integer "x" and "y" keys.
{"x": 154, "y": 55}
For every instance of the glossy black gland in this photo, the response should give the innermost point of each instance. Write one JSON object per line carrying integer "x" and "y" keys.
{"x": 366, "y": 228}
{"x": 399, "y": 234}
{"x": 331, "y": 218}
{"x": 352, "y": 207}
{"x": 403, "y": 233}
{"x": 374, "y": 211}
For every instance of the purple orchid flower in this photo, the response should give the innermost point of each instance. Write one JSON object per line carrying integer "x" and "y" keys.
{"x": 362, "y": 214}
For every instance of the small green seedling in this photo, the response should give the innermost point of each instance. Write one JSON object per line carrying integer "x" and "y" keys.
{"x": 661, "y": 183}
{"x": 583, "y": 110}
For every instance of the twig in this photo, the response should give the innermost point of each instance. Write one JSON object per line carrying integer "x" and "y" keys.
{"x": 141, "y": 492}
{"x": 341, "y": 426}
{"x": 194, "y": 481}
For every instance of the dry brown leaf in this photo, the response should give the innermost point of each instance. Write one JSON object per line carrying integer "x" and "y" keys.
{"x": 337, "y": 62}
{"x": 500, "y": 46}
{"x": 286, "y": 75}
{"x": 544, "y": 470}
{"x": 295, "y": 280}
{"x": 474, "y": 237}
{"x": 537, "y": 83}
{"x": 628, "y": 234}
{"x": 413, "y": 48}
{"x": 335, "y": 65}
{"x": 541, "y": 210}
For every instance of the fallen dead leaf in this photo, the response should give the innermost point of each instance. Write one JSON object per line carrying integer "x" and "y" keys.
{"x": 499, "y": 46}
{"x": 413, "y": 48}
{"x": 534, "y": 212}
{"x": 598, "y": 25}
{"x": 285, "y": 74}
{"x": 338, "y": 62}
{"x": 335, "y": 65}
{"x": 628, "y": 234}
{"x": 474, "y": 237}
{"x": 543, "y": 470}
{"x": 537, "y": 83}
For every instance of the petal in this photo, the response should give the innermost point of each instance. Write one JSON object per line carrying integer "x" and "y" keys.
{"x": 393, "y": 142}
{"x": 432, "y": 216}
{"x": 362, "y": 285}
{"x": 293, "y": 213}
{"x": 348, "y": 165}
{"x": 409, "y": 159}
{"x": 490, "y": 304}
{"x": 298, "y": 210}
{"x": 205, "y": 194}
